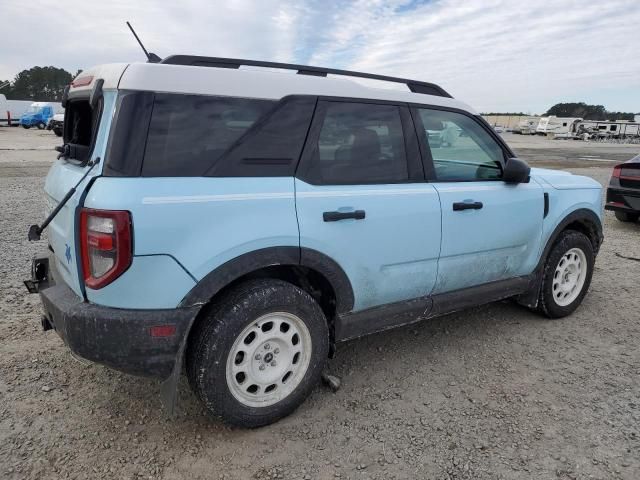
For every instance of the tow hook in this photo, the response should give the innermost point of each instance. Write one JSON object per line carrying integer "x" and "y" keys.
{"x": 39, "y": 273}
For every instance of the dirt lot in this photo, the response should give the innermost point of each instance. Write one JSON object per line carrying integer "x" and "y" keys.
{"x": 495, "y": 392}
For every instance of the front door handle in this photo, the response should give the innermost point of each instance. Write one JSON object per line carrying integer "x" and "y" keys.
{"x": 457, "y": 206}
{"x": 335, "y": 216}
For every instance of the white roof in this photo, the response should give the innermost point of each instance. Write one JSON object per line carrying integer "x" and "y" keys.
{"x": 246, "y": 82}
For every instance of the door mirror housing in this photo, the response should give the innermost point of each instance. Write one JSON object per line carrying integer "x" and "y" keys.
{"x": 516, "y": 171}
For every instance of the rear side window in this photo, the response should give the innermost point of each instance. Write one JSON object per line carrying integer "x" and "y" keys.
{"x": 358, "y": 143}
{"x": 461, "y": 149}
{"x": 189, "y": 133}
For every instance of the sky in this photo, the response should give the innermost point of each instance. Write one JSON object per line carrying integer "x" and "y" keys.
{"x": 496, "y": 55}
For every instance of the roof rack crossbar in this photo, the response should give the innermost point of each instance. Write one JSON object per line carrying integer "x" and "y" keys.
{"x": 219, "y": 62}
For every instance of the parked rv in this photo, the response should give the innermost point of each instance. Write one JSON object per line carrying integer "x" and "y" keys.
{"x": 556, "y": 125}
{"x": 527, "y": 126}
{"x": 604, "y": 129}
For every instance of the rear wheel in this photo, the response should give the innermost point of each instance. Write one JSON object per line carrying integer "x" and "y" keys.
{"x": 627, "y": 216}
{"x": 259, "y": 353}
{"x": 567, "y": 274}
{"x": 58, "y": 132}
{"x": 26, "y": 127}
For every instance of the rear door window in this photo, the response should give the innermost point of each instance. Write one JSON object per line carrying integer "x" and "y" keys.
{"x": 358, "y": 143}
{"x": 189, "y": 133}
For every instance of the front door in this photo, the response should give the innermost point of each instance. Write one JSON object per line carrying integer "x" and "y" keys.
{"x": 362, "y": 200}
{"x": 490, "y": 230}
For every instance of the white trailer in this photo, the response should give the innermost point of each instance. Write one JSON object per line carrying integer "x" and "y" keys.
{"x": 527, "y": 126}
{"x": 618, "y": 128}
{"x": 12, "y": 110}
{"x": 556, "y": 125}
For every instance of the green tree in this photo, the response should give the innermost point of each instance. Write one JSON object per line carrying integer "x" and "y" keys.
{"x": 39, "y": 83}
{"x": 581, "y": 109}
{"x": 620, "y": 116}
{"x": 588, "y": 112}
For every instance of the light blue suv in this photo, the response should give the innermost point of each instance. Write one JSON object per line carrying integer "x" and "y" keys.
{"x": 238, "y": 224}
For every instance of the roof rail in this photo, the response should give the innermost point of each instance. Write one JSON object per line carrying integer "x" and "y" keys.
{"x": 218, "y": 62}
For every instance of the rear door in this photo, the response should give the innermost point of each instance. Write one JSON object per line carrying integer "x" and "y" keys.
{"x": 362, "y": 200}
{"x": 86, "y": 131}
{"x": 490, "y": 230}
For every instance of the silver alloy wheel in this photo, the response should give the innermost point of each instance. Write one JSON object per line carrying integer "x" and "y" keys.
{"x": 569, "y": 277}
{"x": 269, "y": 359}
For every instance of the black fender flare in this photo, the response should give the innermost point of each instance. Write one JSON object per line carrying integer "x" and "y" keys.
{"x": 230, "y": 271}
{"x": 590, "y": 220}
{"x": 255, "y": 260}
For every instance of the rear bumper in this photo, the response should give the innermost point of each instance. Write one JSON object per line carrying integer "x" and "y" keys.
{"x": 118, "y": 338}
{"x": 623, "y": 199}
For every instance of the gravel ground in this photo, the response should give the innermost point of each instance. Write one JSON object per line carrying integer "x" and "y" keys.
{"x": 493, "y": 392}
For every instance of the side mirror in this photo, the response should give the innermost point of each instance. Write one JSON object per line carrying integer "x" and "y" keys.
{"x": 516, "y": 171}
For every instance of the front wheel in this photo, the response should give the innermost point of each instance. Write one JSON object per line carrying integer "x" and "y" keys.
{"x": 626, "y": 216}
{"x": 40, "y": 125}
{"x": 258, "y": 353}
{"x": 58, "y": 132}
{"x": 567, "y": 274}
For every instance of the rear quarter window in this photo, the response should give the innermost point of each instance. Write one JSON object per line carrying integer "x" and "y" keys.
{"x": 189, "y": 133}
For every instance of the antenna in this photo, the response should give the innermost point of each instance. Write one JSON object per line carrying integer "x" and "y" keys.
{"x": 151, "y": 57}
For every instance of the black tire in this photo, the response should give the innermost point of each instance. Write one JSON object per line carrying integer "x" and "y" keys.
{"x": 627, "y": 216}
{"x": 58, "y": 132}
{"x": 213, "y": 338}
{"x": 26, "y": 127}
{"x": 40, "y": 125}
{"x": 567, "y": 240}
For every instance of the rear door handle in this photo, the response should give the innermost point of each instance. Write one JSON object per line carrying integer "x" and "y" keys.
{"x": 457, "y": 206}
{"x": 335, "y": 216}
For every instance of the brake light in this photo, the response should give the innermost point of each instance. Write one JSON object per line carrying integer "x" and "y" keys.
{"x": 616, "y": 171}
{"x": 106, "y": 246}
{"x": 626, "y": 172}
{"x": 82, "y": 81}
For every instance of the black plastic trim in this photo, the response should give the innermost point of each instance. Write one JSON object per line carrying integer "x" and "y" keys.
{"x": 589, "y": 220}
{"x": 219, "y": 62}
{"x": 250, "y": 262}
{"x": 546, "y": 205}
{"x": 357, "y": 324}
{"x": 118, "y": 338}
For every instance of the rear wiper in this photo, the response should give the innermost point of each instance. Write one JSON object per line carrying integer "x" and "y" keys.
{"x": 35, "y": 231}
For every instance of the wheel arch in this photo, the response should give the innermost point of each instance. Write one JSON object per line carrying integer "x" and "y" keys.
{"x": 276, "y": 261}
{"x": 583, "y": 220}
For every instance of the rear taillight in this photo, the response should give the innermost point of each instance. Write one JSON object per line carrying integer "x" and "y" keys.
{"x": 616, "y": 171}
{"x": 105, "y": 242}
{"x": 627, "y": 171}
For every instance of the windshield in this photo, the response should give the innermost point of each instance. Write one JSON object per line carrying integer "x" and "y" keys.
{"x": 34, "y": 109}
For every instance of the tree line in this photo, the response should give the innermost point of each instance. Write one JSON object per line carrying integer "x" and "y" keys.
{"x": 588, "y": 112}
{"x": 576, "y": 110}
{"x": 38, "y": 83}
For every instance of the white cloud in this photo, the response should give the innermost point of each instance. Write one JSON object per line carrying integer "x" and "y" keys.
{"x": 494, "y": 54}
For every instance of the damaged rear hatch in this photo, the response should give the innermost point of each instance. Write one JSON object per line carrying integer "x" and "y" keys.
{"x": 89, "y": 109}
